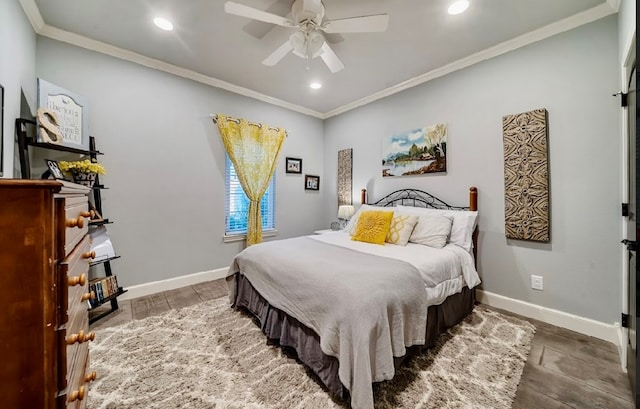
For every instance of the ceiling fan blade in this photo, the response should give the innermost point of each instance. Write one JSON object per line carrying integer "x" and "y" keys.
{"x": 278, "y": 54}
{"x": 331, "y": 59}
{"x": 259, "y": 29}
{"x": 364, "y": 24}
{"x": 255, "y": 14}
{"x": 334, "y": 38}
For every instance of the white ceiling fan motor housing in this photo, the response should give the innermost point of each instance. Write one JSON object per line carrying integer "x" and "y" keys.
{"x": 306, "y": 10}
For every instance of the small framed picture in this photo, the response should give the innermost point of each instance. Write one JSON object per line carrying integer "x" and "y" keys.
{"x": 294, "y": 165}
{"x": 311, "y": 182}
{"x": 54, "y": 168}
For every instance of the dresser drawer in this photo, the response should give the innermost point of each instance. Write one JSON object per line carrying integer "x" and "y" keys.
{"x": 73, "y": 281}
{"x": 79, "y": 378}
{"x": 76, "y": 214}
{"x": 78, "y": 278}
{"x": 77, "y": 348}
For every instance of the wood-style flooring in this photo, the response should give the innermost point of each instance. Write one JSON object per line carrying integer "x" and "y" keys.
{"x": 564, "y": 369}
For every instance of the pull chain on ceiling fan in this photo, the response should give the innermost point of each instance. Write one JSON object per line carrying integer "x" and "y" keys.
{"x": 308, "y": 20}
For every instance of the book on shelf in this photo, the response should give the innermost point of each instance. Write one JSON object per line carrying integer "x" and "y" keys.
{"x": 103, "y": 288}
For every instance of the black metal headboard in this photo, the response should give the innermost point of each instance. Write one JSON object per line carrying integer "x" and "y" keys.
{"x": 419, "y": 198}
{"x": 415, "y": 198}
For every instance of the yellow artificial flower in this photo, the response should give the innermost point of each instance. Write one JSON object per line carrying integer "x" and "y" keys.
{"x": 83, "y": 166}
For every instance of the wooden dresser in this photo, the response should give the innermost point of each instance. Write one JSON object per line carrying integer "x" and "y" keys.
{"x": 44, "y": 267}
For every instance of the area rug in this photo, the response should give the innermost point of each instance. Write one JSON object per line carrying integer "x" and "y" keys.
{"x": 210, "y": 356}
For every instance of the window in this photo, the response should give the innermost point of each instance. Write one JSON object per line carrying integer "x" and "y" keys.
{"x": 237, "y": 204}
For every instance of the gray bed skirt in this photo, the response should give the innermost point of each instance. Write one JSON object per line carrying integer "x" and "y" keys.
{"x": 286, "y": 331}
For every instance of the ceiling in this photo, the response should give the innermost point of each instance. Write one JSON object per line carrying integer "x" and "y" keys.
{"x": 224, "y": 50}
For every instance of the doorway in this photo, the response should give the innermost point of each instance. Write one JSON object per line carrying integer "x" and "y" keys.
{"x": 633, "y": 227}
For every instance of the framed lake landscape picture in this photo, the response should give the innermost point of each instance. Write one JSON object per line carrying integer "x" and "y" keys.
{"x": 415, "y": 152}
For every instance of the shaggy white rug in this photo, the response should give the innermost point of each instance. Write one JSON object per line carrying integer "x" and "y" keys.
{"x": 210, "y": 356}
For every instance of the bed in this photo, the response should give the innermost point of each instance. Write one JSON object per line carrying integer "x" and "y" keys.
{"x": 351, "y": 310}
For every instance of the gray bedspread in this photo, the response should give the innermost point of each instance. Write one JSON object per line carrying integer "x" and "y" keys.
{"x": 365, "y": 308}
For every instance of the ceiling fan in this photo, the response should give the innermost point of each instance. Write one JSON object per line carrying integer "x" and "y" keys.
{"x": 308, "y": 20}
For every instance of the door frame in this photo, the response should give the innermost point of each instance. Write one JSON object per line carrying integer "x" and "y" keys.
{"x": 625, "y": 73}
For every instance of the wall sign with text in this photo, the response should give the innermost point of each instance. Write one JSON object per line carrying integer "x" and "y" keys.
{"x": 72, "y": 113}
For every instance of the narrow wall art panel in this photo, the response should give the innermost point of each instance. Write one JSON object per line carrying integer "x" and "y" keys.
{"x": 415, "y": 152}
{"x": 526, "y": 176}
{"x": 345, "y": 168}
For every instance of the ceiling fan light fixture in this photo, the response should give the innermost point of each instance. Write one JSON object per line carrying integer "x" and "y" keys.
{"x": 314, "y": 44}
{"x": 307, "y": 45}
{"x": 458, "y": 7}
{"x": 298, "y": 43}
{"x": 163, "y": 23}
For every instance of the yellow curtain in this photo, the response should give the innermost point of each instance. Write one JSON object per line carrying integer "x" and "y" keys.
{"x": 253, "y": 150}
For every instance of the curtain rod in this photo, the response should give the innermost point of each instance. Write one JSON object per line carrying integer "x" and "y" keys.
{"x": 236, "y": 120}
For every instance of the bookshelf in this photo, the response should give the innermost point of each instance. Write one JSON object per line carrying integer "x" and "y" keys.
{"x": 100, "y": 270}
{"x": 105, "y": 283}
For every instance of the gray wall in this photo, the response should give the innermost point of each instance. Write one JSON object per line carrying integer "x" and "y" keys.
{"x": 17, "y": 72}
{"x": 627, "y": 25}
{"x": 572, "y": 75}
{"x": 165, "y": 161}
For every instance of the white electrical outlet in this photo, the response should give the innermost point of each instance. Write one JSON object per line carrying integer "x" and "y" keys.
{"x": 536, "y": 282}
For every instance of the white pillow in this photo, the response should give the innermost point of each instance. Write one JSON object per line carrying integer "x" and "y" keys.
{"x": 464, "y": 223}
{"x": 351, "y": 226}
{"x": 401, "y": 228}
{"x": 432, "y": 230}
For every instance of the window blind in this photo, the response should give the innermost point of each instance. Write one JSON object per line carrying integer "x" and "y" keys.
{"x": 237, "y": 204}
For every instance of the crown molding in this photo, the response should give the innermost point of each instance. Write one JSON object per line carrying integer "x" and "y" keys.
{"x": 33, "y": 14}
{"x": 108, "y": 49}
{"x": 531, "y": 37}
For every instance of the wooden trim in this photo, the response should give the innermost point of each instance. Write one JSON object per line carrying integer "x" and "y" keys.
{"x": 473, "y": 198}
{"x": 54, "y": 185}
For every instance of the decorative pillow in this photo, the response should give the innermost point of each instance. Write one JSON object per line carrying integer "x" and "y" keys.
{"x": 373, "y": 226}
{"x": 464, "y": 223}
{"x": 432, "y": 230}
{"x": 401, "y": 227}
{"x": 351, "y": 225}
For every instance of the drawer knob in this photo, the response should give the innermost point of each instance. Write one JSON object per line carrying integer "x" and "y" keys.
{"x": 82, "y": 280}
{"x": 77, "y": 395}
{"x": 90, "y": 377}
{"x": 89, "y": 254}
{"x": 88, "y": 296}
{"x": 78, "y": 222}
{"x": 90, "y": 214}
{"x": 72, "y": 339}
{"x": 80, "y": 337}
{"x": 89, "y": 337}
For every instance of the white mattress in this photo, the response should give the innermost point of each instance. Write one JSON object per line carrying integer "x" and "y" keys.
{"x": 444, "y": 271}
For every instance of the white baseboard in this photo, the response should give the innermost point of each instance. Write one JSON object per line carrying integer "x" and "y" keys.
{"x": 622, "y": 347}
{"x": 153, "y": 287}
{"x": 586, "y": 326}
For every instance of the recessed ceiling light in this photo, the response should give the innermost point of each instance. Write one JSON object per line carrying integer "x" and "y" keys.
{"x": 458, "y": 7}
{"x": 315, "y": 85}
{"x": 163, "y": 23}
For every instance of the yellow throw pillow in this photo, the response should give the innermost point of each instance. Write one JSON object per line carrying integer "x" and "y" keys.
{"x": 401, "y": 228}
{"x": 373, "y": 226}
